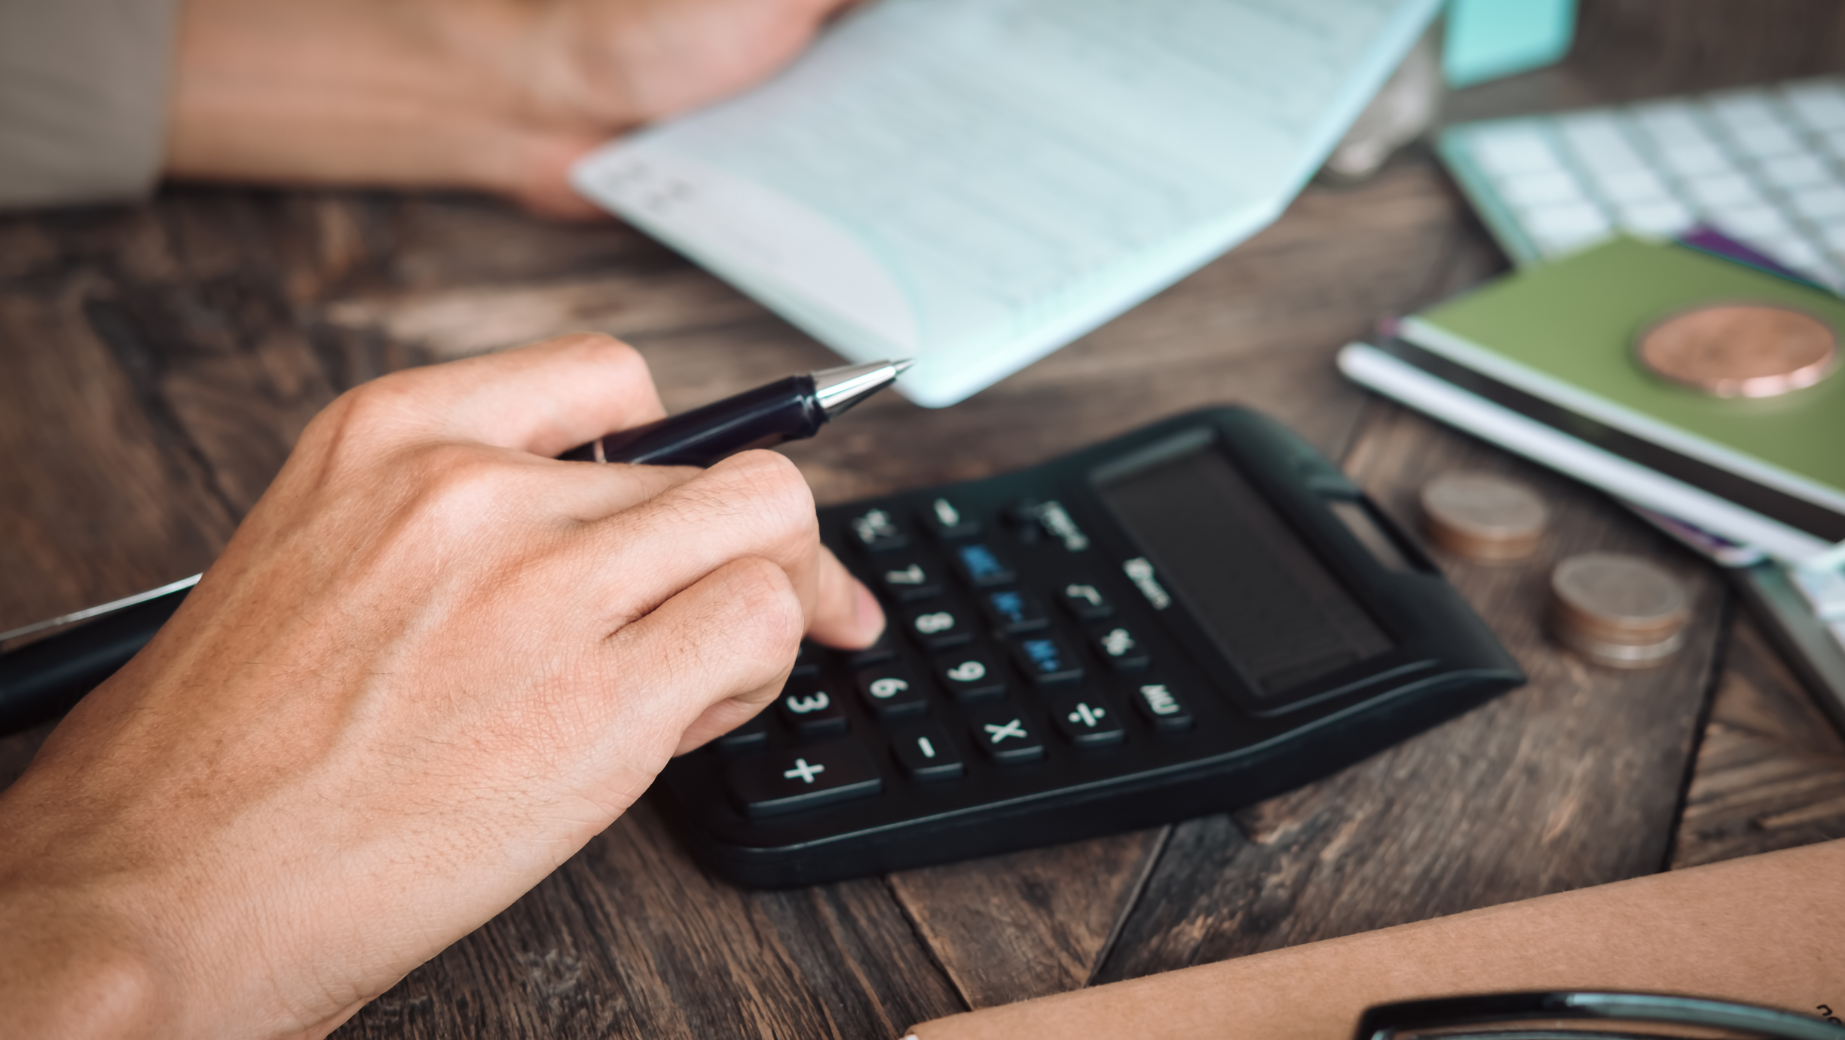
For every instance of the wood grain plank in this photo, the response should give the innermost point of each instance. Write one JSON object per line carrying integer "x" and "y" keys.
{"x": 1770, "y": 770}
{"x": 631, "y": 938}
{"x": 1573, "y": 780}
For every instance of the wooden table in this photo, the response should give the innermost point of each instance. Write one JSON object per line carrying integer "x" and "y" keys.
{"x": 157, "y": 361}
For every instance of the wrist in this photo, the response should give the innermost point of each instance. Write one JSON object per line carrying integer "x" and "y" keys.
{"x": 348, "y": 92}
{"x": 68, "y": 970}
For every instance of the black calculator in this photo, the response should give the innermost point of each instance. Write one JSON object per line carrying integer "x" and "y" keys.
{"x": 1183, "y": 620}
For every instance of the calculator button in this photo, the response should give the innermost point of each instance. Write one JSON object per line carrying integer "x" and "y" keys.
{"x": 1013, "y": 610}
{"x": 1162, "y": 707}
{"x": 980, "y": 566}
{"x": 1046, "y": 660}
{"x": 1121, "y": 650}
{"x": 806, "y": 663}
{"x": 804, "y": 778}
{"x": 908, "y": 580}
{"x": 1085, "y": 602}
{"x": 752, "y": 734}
{"x": 926, "y": 753}
{"x": 946, "y": 520}
{"x": 878, "y": 651}
{"x": 892, "y": 691}
{"x": 1085, "y": 720}
{"x": 1003, "y": 733}
{"x": 937, "y": 627}
{"x": 970, "y": 675}
{"x": 812, "y": 710}
{"x": 875, "y": 530}
{"x": 1056, "y": 524}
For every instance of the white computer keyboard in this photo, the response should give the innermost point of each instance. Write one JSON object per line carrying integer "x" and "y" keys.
{"x": 1765, "y": 166}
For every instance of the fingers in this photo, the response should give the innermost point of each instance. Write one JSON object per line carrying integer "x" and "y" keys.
{"x": 752, "y": 504}
{"x": 545, "y": 398}
{"x": 846, "y": 614}
{"x": 714, "y": 654}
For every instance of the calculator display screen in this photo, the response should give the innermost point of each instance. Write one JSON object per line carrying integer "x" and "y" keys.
{"x": 1264, "y": 597}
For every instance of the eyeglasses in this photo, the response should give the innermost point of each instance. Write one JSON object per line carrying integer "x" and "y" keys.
{"x": 1588, "y": 1016}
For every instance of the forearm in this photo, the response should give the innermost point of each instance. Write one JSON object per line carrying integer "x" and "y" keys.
{"x": 1768, "y": 929}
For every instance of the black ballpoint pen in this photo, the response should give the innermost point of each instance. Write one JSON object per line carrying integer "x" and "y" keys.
{"x": 43, "y": 678}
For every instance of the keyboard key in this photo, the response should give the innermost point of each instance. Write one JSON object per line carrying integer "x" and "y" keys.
{"x": 1753, "y": 224}
{"x": 882, "y": 650}
{"x": 1003, "y": 734}
{"x": 747, "y": 737}
{"x": 1632, "y": 186}
{"x": 875, "y": 530}
{"x": 1057, "y": 524}
{"x": 1162, "y": 707}
{"x": 1121, "y": 650}
{"x": 1670, "y": 124}
{"x": 971, "y": 675}
{"x": 892, "y": 691}
{"x": 1820, "y": 106}
{"x": 1562, "y": 228}
{"x": 1013, "y": 610}
{"x": 1695, "y": 160}
{"x": 946, "y": 520}
{"x": 937, "y": 627}
{"x": 909, "y": 579}
{"x": 1822, "y": 202}
{"x": 1723, "y": 191}
{"x": 1599, "y": 144}
{"x": 1541, "y": 189}
{"x": 1046, "y": 661}
{"x": 1765, "y": 141}
{"x": 1084, "y": 720}
{"x": 806, "y": 662}
{"x": 1512, "y": 151}
{"x": 804, "y": 778}
{"x": 811, "y": 710}
{"x": 1662, "y": 219}
{"x": 1085, "y": 602}
{"x": 1795, "y": 171}
{"x": 926, "y": 752}
{"x": 980, "y": 565}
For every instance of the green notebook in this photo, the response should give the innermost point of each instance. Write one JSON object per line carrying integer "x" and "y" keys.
{"x": 1556, "y": 344}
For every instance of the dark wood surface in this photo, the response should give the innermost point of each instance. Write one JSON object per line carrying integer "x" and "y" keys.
{"x": 157, "y": 361}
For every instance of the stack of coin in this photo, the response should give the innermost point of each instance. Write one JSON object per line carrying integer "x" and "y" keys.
{"x": 1483, "y": 517}
{"x": 1618, "y": 610}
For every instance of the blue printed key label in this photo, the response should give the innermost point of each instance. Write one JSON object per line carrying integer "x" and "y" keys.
{"x": 980, "y": 562}
{"x": 1043, "y": 654}
{"x": 1009, "y": 605}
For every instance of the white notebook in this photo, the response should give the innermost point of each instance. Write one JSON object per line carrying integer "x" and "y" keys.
{"x": 974, "y": 183}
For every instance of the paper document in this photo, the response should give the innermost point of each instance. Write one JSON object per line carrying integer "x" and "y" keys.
{"x": 974, "y": 183}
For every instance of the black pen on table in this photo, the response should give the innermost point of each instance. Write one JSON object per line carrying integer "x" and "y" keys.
{"x": 44, "y": 678}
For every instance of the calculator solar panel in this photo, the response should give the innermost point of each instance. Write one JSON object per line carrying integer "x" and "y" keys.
{"x": 1179, "y": 621}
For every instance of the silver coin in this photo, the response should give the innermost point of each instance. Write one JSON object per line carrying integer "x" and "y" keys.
{"x": 1483, "y": 516}
{"x": 1617, "y": 598}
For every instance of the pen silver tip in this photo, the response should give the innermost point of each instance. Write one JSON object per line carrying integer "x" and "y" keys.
{"x": 838, "y": 389}
{"x": 900, "y": 367}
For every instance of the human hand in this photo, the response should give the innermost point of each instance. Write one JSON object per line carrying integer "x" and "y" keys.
{"x": 432, "y": 663}
{"x": 500, "y": 95}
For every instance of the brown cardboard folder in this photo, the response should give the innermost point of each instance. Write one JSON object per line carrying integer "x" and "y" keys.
{"x": 1767, "y": 929}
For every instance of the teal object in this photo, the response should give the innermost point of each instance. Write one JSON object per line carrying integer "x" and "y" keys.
{"x": 1487, "y": 39}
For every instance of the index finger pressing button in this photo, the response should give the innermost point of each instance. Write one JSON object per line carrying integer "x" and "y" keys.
{"x": 804, "y": 778}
